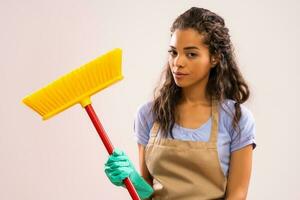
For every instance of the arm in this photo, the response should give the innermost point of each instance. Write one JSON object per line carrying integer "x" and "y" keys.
{"x": 239, "y": 173}
{"x": 143, "y": 168}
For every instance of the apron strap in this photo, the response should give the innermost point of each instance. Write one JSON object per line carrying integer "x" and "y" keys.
{"x": 215, "y": 121}
{"x": 153, "y": 132}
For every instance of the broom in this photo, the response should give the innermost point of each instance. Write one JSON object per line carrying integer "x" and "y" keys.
{"x": 77, "y": 87}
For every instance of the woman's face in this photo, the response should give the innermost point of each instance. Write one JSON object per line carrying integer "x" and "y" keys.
{"x": 189, "y": 58}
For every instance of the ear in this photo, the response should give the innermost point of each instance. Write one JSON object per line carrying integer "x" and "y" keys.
{"x": 214, "y": 61}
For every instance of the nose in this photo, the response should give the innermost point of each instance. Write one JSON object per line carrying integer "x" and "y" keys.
{"x": 179, "y": 61}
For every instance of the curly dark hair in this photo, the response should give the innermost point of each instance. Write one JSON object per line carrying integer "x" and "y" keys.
{"x": 225, "y": 79}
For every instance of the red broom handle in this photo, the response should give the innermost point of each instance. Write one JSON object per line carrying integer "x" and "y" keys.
{"x": 109, "y": 147}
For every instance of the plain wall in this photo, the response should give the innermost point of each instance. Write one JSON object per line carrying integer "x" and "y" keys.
{"x": 63, "y": 158}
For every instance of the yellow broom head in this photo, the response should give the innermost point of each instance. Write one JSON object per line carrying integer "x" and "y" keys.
{"x": 77, "y": 86}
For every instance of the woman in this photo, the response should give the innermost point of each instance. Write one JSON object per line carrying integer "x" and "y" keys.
{"x": 195, "y": 139}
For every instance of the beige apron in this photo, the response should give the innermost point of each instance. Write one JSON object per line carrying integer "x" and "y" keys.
{"x": 186, "y": 170}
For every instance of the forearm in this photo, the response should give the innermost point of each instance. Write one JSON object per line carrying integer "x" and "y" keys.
{"x": 236, "y": 195}
{"x": 143, "y": 187}
{"x": 235, "y": 198}
{"x": 149, "y": 181}
{"x": 239, "y": 174}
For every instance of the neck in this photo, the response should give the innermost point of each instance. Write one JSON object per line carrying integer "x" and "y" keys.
{"x": 196, "y": 95}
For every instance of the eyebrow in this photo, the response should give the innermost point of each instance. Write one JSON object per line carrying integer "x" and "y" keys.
{"x": 186, "y": 48}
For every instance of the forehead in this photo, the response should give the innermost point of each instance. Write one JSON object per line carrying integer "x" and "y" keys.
{"x": 187, "y": 37}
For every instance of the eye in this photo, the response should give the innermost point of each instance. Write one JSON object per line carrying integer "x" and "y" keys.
{"x": 191, "y": 55}
{"x": 172, "y": 52}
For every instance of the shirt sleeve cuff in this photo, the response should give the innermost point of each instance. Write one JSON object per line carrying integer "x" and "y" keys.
{"x": 250, "y": 141}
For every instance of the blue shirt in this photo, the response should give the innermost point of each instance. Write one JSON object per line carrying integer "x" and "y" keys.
{"x": 227, "y": 141}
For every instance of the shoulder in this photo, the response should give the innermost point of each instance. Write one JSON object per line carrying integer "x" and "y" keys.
{"x": 246, "y": 124}
{"x": 228, "y": 110}
{"x": 144, "y": 111}
{"x": 143, "y": 122}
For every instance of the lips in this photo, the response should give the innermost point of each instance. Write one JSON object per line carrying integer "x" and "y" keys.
{"x": 179, "y": 75}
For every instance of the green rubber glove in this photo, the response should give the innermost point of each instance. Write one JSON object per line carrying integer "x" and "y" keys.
{"x": 119, "y": 166}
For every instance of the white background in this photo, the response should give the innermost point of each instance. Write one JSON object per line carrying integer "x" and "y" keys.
{"x": 63, "y": 158}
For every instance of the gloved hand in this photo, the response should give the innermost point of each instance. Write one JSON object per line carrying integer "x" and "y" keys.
{"x": 119, "y": 166}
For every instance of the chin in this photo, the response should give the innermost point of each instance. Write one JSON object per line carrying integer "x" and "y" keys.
{"x": 181, "y": 84}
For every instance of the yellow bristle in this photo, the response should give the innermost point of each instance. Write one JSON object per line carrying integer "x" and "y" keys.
{"x": 77, "y": 86}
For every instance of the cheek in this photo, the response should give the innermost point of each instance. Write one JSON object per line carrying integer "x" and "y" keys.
{"x": 170, "y": 62}
{"x": 204, "y": 60}
{"x": 200, "y": 68}
{"x": 203, "y": 64}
